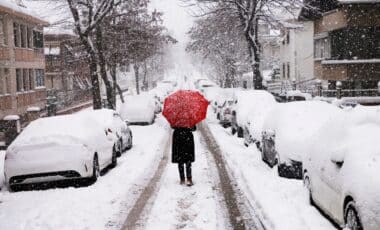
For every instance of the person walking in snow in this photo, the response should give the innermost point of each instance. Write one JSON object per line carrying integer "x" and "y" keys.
{"x": 183, "y": 153}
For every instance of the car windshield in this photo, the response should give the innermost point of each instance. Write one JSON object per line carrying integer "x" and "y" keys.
{"x": 189, "y": 114}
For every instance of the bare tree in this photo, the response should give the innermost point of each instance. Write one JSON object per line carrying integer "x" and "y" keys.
{"x": 249, "y": 13}
{"x": 88, "y": 16}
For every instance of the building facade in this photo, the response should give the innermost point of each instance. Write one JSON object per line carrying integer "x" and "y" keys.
{"x": 22, "y": 61}
{"x": 297, "y": 53}
{"x": 346, "y": 43}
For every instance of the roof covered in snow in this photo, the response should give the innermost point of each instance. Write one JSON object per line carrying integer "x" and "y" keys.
{"x": 18, "y": 8}
{"x": 56, "y": 12}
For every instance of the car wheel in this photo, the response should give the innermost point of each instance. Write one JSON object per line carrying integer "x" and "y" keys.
{"x": 240, "y": 132}
{"x": 233, "y": 131}
{"x": 115, "y": 153}
{"x": 121, "y": 148}
{"x": 307, "y": 184}
{"x": 218, "y": 116}
{"x": 352, "y": 220}
{"x": 95, "y": 169}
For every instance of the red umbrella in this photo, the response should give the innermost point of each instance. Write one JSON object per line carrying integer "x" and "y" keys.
{"x": 185, "y": 108}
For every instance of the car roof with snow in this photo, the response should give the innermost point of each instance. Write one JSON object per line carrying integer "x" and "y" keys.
{"x": 66, "y": 129}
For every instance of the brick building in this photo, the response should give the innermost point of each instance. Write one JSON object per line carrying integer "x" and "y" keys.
{"x": 346, "y": 42}
{"x": 22, "y": 61}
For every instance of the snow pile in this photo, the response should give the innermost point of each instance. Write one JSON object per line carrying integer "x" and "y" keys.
{"x": 294, "y": 124}
{"x": 2, "y": 158}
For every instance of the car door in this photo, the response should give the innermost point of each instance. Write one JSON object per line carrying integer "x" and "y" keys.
{"x": 330, "y": 186}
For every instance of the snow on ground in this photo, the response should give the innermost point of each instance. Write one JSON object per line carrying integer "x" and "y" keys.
{"x": 2, "y": 156}
{"x": 182, "y": 207}
{"x": 282, "y": 203}
{"x": 88, "y": 207}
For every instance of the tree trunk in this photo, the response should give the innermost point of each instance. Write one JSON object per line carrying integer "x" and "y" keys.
{"x": 103, "y": 69}
{"x": 97, "y": 103}
{"x": 254, "y": 54}
{"x": 137, "y": 78}
{"x": 145, "y": 80}
{"x": 116, "y": 86}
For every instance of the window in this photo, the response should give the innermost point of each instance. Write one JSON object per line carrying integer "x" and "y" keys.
{"x": 29, "y": 37}
{"x": 31, "y": 79}
{"x": 25, "y": 79}
{"x": 322, "y": 48}
{"x": 23, "y": 36}
{"x": 3, "y": 32}
{"x": 39, "y": 78}
{"x": 4, "y": 81}
{"x": 19, "y": 84}
{"x": 38, "y": 40}
{"x": 288, "y": 70}
{"x": 16, "y": 34}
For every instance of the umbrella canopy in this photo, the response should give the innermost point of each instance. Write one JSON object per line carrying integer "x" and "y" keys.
{"x": 185, "y": 108}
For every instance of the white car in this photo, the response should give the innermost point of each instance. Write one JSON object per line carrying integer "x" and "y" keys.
{"x": 224, "y": 105}
{"x": 59, "y": 148}
{"x": 287, "y": 131}
{"x": 341, "y": 170}
{"x": 115, "y": 126}
{"x": 261, "y": 105}
{"x": 138, "y": 110}
{"x": 244, "y": 103}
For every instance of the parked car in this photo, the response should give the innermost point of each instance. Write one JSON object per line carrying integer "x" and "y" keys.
{"x": 112, "y": 122}
{"x": 138, "y": 110}
{"x": 68, "y": 148}
{"x": 261, "y": 105}
{"x": 341, "y": 170}
{"x": 288, "y": 129}
{"x": 244, "y": 102}
{"x": 224, "y": 106}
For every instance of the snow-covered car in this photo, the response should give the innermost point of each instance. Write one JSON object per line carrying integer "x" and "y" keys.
{"x": 245, "y": 101}
{"x": 341, "y": 170}
{"x": 224, "y": 105}
{"x": 138, "y": 110}
{"x": 261, "y": 105}
{"x": 115, "y": 126}
{"x": 68, "y": 147}
{"x": 287, "y": 131}
{"x": 204, "y": 84}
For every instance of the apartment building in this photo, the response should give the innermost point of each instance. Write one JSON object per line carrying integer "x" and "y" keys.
{"x": 22, "y": 60}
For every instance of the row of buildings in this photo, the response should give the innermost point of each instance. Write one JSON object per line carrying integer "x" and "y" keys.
{"x": 331, "y": 41}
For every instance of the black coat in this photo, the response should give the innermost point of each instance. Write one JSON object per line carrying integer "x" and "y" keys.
{"x": 183, "y": 145}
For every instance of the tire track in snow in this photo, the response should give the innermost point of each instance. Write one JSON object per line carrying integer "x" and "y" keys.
{"x": 241, "y": 215}
{"x": 182, "y": 207}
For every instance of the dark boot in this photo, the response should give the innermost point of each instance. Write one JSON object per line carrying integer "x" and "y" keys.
{"x": 182, "y": 181}
{"x": 189, "y": 182}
